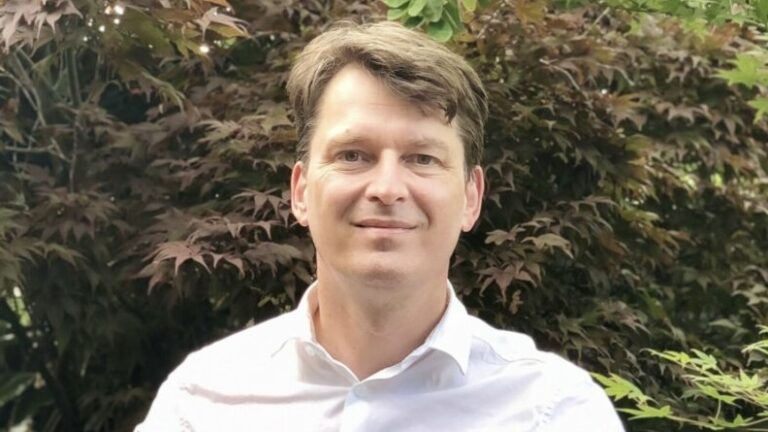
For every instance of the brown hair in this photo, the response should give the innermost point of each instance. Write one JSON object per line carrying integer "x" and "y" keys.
{"x": 408, "y": 62}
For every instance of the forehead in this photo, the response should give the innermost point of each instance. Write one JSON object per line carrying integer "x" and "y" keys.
{"x": 357, "y": 106}
{"x": 353, "y": 84}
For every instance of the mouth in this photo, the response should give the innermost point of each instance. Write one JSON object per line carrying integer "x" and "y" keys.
{"x": 385, "y": 225}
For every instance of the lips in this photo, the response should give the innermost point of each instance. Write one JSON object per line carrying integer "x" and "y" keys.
{"x": 384, "y": 224}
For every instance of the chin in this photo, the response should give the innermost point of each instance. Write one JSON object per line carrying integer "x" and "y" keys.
{"x": 379, "y": 271}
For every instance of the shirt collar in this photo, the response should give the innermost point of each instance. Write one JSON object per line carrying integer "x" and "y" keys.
{"x": 451, "y": 335}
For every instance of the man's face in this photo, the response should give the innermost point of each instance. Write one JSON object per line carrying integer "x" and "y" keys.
{"x": 385, "y": 193}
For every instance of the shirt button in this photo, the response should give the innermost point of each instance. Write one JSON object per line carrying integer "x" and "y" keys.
{"x": 360, "y": 391}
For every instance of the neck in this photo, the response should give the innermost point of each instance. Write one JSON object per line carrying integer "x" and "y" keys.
{"x": 369, "y": 328}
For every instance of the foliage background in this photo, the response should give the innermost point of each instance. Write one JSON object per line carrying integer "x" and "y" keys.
{"x": 145, "y": 149}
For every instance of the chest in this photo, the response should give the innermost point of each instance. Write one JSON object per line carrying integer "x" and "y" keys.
{"x": 377, "y": 406}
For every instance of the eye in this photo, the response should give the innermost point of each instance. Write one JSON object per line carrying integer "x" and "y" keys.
{"x": 424, "y": 159}
{"x": 350, "y": 156}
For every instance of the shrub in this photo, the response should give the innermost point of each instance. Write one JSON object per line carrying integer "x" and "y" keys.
{"x": 144, "y": 213}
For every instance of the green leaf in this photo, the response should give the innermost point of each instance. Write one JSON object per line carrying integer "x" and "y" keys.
{"x": 413, "y": 22}
{"x": 440, "y": 31}
{"x": 761, "y": 10}
{"x": 148, "y": 31}
{"x": 434, "y": 10}
{"x": 713, "y": 393}
{"x": 761, "y": 105}
{"x": 416, "y": 7}
{"x": 530, "y": 11}
{"x": 748, "y": 70}
{"x": 453, "y": 15}
{"x": 396, "y": 3}
{"x": 646, "y": 412}
{"x": 618, "y": 388}
{"x": 679, "y": 358}
{"x": 470, "y": 5}
{"x": 396, "y": 14}
{"x": 12, "y": 385}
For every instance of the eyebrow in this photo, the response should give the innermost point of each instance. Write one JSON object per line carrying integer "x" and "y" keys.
{"x": 420, "y": 142}
{"x": 346, "y": 140}
{"x": 428, "y": 142}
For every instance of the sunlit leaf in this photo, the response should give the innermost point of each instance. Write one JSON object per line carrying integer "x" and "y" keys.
{"x": 440, "y": 31}
{"x": 749, "y": 70}
{"x": 648, "y": 412}
{"x": 619, "y": 388}
{"x": 761, "y": 105}
{"x": 396, "y": 3}
{"x": 433, "y": 10}
{"x": 396, "y": 14}
{"x": 416, "y": 6}
{"x": 470, "y": 5}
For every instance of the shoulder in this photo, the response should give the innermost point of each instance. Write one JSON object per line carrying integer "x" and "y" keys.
{"x": 238, "y": 354}
{"x": 563, "y": 394}
{"x": 221, "y": 372}
{"x": 506, "y": 344}
{"x": 511, "y": 347}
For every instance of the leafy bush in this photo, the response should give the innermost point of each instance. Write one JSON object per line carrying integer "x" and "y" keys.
{"x": 145, "y": 153}
{"x": 705, "y": 380}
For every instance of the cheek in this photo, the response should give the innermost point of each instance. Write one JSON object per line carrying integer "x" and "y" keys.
{"x": 330, "y": 196}
{"x": 443, "y": 206}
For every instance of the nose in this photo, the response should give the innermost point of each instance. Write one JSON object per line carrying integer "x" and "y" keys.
{"x": 387, "y": 184}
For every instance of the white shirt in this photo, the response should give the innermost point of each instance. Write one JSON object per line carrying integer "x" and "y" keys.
{"x": 467, "y": 376}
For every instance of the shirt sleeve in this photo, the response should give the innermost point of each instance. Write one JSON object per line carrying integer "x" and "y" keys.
{"x": 580, "y": 405}
{"x": 165, "y": 414}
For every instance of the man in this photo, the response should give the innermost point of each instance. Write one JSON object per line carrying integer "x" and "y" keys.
{"x": 390, "y": 126}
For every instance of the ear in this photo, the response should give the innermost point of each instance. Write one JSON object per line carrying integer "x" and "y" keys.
{"x": 298, "y": 193}
{"x": 473, "y": 198}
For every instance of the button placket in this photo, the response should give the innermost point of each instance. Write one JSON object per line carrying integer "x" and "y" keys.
{"x": 356, "y": 410}
{"x": 360, "y": 391}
